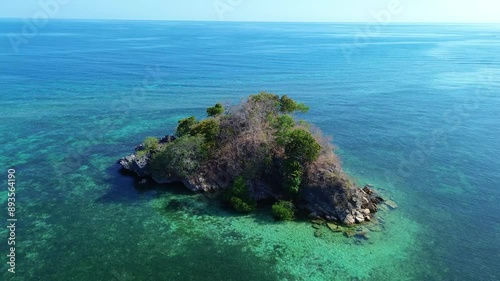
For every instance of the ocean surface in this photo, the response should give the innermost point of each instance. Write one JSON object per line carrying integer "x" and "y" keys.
{"x": 412, "y": 109}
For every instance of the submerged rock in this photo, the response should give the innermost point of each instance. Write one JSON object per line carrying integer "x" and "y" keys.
{"x": 349, "y": 233}
{"x": 359, "y": 217}
{"x": 333, "y": 227}
{"x": 318, "y": 233}
{"x": 376, "y": 228}
{"x": 363, "y": 235}
{"x": 391, "y": 204}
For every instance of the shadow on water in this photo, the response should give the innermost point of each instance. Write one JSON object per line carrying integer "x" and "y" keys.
{"x": 125, "y": 187}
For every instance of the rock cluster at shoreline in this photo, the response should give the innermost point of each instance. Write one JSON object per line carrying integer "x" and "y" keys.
{"x": 359, "y": 207}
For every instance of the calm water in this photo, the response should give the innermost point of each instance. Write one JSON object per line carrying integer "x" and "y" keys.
{"x": 413, "y": 110}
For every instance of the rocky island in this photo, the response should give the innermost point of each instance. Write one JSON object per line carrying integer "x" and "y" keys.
{"x": 257, "y": 152}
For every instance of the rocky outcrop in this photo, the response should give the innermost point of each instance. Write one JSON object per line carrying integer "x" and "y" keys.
{"x": 332, "y": 203}
{"x": 256, "y": 151}
{"x": 139, "y": 164}
{"x": 135, "y": 164}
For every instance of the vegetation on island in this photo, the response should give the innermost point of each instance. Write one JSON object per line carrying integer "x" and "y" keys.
{"x": 283, "y": 210}
{"x": 255, "y": 152}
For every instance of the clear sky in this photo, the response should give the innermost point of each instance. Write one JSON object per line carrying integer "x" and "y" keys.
{"x": 262, "y": 10}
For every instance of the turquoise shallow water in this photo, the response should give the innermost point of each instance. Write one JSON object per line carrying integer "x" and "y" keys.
{"x": 413, "y": 110}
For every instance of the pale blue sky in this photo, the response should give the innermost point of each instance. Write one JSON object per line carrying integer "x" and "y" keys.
{"x": 264, "y": 10}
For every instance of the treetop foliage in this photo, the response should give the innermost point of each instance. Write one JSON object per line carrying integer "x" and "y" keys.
{"x": 216, "y": 110}
{"x": 184, "y": 126}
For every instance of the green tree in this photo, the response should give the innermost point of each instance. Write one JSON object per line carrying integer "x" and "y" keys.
{"x": 293, "y": 176}
{"x": 264, "y": 97}
{"x": 288, "y": 105}
{"x": 184, "y": 126}
{"x": 283, "y": 210}
{"x": 283, "y": 125}
{"x": 239, "y": 198}
{"x": 209, "y": 129}
{"x": 151, "y": 143}
{"x": 301, "y": 146}
{"x": 180, "y": 158}
{"x": 216, "y": 110}
{"x": 284, "y": 122}
{"x": 241, "y": 206}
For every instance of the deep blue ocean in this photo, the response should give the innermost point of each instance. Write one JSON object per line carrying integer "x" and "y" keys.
{"x": 412, "y": 109}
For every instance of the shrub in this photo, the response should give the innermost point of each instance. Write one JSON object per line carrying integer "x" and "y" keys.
{"x": 241, "y": 206}
{"x": 284, "y": 122}
{"x": 283, "y": 210}
{"x": 179, "y": 158}
{"x": 208, "y": 128}
{"x": 288, "y": 105}
{"x": 293, "y": 176}
{"x": 264, "y": 97}
{"x": 239, "y": 198}
{"x": 184, "y": 126}
{"x": 240, "y": 188}
{"x": 216, "y": 110}
{"x": 283, "y": 125}
{"x": 301, "y": 146}
{"x": 151, "y": 143}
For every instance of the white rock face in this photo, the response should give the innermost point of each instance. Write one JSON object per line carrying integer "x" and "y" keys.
{"x": 349, "y": 219}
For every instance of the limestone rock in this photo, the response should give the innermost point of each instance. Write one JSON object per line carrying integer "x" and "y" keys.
{"x": 135, "y": 164}
{"x": 391, "y": 204}
{"x": 333, "y": 227}
{"x": 359, "y": 217}
{"x": 349, "y": 220}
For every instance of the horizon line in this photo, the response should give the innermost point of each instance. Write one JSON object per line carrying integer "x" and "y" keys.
{"x": 253, "y": 21}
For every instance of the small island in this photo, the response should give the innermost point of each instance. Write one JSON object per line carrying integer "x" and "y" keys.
{"x": 257, "y": 153}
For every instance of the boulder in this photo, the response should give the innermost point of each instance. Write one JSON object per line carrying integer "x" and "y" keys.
{"x": 367, "y": 190}
{"x": 359, "y": 217}
{"x": 349, "y": 219}
{"x": 134, "y": 164}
